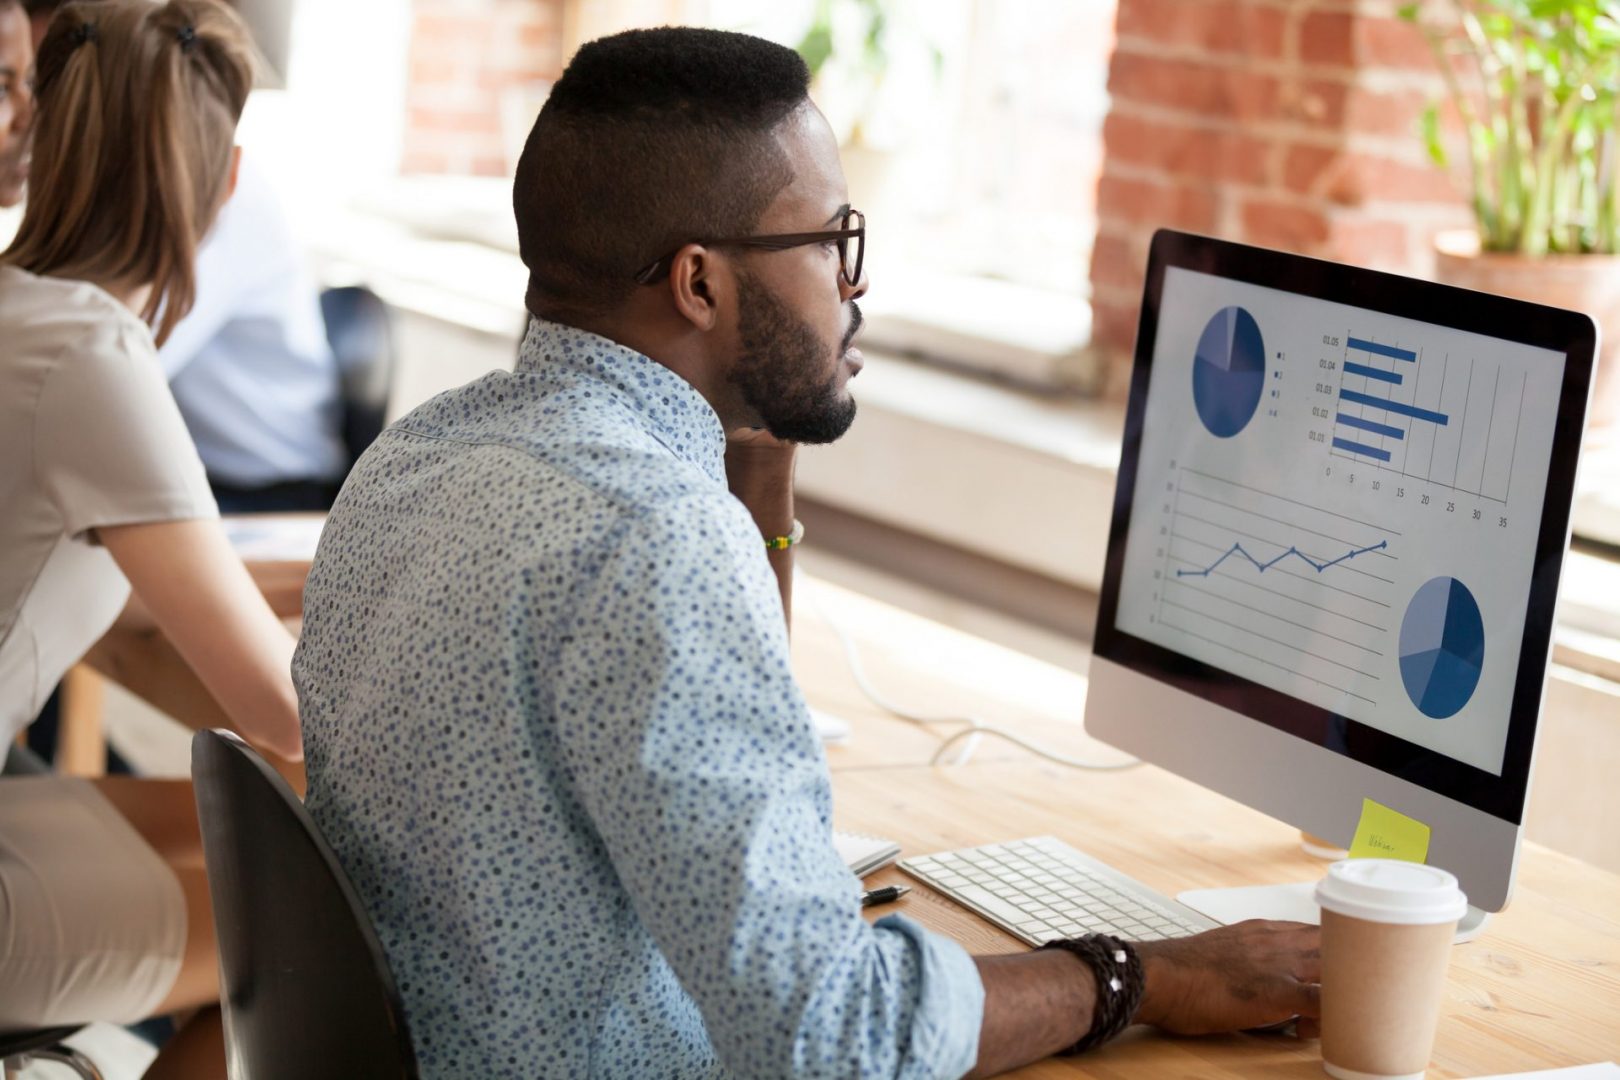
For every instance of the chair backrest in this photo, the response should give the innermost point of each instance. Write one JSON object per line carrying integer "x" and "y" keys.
{"x": 305, "y": 987}
{"x": 360, "y": 331}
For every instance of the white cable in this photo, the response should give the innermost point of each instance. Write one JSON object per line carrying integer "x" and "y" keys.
{"x": 1018, "y": 740}
{"x": 973, "y": 729}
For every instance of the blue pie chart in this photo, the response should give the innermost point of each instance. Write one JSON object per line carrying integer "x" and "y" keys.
{"x": 1442, "y": 647}
{"x": 1229, "y": 372}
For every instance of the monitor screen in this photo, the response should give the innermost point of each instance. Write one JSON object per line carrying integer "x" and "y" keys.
{"x": 1334, "y": 512}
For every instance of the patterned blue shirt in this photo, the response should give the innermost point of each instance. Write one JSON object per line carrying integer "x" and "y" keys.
{"x": 554, "y": 737}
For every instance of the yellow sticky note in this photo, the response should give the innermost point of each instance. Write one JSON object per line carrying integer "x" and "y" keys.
{"x": 1389, "y": 834}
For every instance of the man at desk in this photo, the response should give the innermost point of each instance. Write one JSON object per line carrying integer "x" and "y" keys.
{"x": 551, "y": 726}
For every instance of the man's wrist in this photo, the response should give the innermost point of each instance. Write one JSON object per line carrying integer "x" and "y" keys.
{"x": 764, "y": 463}
{"x": 1159, "y": 989}
{"x": 1120, "y": 982}
{"x": 762, "y": 480}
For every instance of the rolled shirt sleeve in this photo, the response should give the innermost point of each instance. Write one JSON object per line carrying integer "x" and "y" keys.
{"x": 689, "y": 744}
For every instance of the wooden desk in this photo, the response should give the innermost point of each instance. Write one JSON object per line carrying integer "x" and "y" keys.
{"x": 933, "y": 670}
{"x": 1539, "y": 989}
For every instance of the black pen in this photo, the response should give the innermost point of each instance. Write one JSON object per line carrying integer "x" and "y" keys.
{"x": 886, "y": 895}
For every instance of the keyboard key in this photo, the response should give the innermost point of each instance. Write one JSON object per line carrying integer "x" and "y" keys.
{"x": 990, "y": 902}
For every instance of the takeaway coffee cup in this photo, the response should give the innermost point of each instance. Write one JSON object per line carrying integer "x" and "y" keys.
{"x": 1386, "y": 939}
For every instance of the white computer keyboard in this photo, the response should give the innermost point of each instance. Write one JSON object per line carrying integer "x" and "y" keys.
{"x": 1041, "y": 888}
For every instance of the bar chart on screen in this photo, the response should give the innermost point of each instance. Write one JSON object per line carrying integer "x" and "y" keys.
{"x": 1445, "y": 417}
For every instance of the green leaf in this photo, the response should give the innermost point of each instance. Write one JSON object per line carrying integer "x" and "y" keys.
{"x": 1431, "y": 136}
{"x": 816, "y": 47}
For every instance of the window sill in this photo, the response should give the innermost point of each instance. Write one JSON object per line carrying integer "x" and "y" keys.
{"x": 934, "y": 448}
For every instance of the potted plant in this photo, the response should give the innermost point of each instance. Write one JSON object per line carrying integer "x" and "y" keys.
{"x": 1536, "y": 85}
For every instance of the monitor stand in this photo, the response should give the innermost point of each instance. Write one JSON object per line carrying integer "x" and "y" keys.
{"x": 1293, "y": 903}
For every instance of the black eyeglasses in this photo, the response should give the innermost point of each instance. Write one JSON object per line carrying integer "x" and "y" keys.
{"x": 851, "y": 238}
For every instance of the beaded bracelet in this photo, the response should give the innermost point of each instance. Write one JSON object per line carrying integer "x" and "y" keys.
{"x": 782, "y": 543}
{"x": 1120, "y": 982}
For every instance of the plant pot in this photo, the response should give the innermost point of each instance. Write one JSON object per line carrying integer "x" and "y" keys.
{"x": 1585, "y": 283}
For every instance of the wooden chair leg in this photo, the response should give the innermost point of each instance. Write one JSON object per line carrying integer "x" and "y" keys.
{"x": 81, "y": 742}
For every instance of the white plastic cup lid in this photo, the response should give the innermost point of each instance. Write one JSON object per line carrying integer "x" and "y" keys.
{"x": 1391, "y": 891}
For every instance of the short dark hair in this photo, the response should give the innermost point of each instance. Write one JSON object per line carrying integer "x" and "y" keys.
{"x": 36, "y": 8}
{"x": 650, "y": 140}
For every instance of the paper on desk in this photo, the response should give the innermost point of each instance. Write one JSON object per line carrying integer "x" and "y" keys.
{"x": 864, "y": 854}
{"x": 274, "y": 538}
{"x": 1606, "y": 1070}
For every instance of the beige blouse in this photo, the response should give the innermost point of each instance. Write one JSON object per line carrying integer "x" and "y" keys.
{"x": 89, "y": 436}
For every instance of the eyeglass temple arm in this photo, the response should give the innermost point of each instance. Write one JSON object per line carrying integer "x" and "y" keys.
{"x": 655, "y": 271}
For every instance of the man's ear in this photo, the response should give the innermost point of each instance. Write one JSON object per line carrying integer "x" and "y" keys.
{"x": 699, "y": 282}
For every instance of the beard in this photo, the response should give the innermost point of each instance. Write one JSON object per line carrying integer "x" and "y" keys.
{"x": 780, "y": 369}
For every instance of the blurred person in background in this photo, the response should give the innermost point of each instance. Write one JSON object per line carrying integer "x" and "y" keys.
{"x": 249, "y": 365}
{"x": 104, "y": 911}
{"x": 16, "y": 100}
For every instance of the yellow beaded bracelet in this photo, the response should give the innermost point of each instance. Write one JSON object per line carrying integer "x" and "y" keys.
{"x": 782, "y": 543}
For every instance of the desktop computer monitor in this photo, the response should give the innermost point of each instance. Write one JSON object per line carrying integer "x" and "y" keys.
{"x": 1342, "y": 510}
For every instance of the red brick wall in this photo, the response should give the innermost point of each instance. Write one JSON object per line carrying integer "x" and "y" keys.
{"x": 468, "y": 59}
{"x": 1284, "y": 123}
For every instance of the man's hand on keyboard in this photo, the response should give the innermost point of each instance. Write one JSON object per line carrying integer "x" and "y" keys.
{"x": 1248, "y": 975}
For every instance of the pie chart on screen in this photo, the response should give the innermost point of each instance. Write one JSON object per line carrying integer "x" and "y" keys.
{"x": 1442, "y": 647}
{"x": 1229, "y": 371}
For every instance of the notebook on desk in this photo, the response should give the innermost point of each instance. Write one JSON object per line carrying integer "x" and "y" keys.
{"x": 864, "y": 854}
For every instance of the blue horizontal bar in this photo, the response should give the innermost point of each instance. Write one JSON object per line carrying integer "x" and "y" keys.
{"x": 1353, "y": 368}
{"x": 1383, "y": 350}
{"x": 1395, "y": 407}
{"x": 1358, "y": 448}
{"x": 1368, "y": 425}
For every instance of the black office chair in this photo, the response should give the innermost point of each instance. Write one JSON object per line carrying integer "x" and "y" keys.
{"x": 305, "y": 987}
{"x": 360, "y": 330}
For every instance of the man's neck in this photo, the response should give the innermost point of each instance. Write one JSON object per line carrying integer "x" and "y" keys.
{"x": 674, "y": 347}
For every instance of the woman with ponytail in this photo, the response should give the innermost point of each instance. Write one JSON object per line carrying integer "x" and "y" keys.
{"x": 104, "y": 909}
